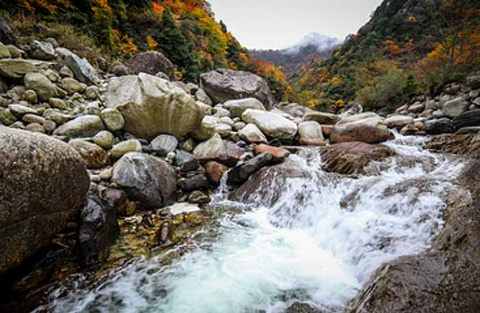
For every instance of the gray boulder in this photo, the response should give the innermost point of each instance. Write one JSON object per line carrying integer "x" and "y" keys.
{"x": 82, "y": 126}
{"x": 216, "y": 149}
{"x": 223, "y": 84}
{"x": 186, "y": 161}
{"x": 81, "y": 68}
{"x": 240, "y": 173}
{"x": 252, "y": 134}
{"x": 43, "y": 184}
{"x": 237, "y": 107}
{"x": 322, "y": 118}
{"x": 364, "y": 127}
{"x": 146, "y": 179}
{"x": 152, "y": 63}
{"x": 455, "y": 107}
{"x": 164, "y": 144}
{"x": 16, "y": 68}
{"x": 152, "y": 106}
{"x": 271, "y": 124}
{"x": 438, "y": 126}
{"x": 41, "y": 51}
{"x": 39, "y": 83}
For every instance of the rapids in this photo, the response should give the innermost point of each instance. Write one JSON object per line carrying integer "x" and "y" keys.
{"x": 317, "y": 243}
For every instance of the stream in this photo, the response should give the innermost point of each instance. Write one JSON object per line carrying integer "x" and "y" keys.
{"x": 315, "y": 238}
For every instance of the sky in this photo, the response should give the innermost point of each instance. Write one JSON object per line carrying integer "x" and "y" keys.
{"x": 274, "y": 24}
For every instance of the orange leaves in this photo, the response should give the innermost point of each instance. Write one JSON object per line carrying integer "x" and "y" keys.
{"x": 151, "y": 43}
{"x": 52, "y": 6}
{"x": 411, "y": 18}
{"x": 158, "y": 8}
{"x": 391, "y": 47}
{"x": 336, "y": 80}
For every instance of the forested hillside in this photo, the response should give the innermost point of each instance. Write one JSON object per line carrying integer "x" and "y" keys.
{"x": 408, "y": 47}
{"x": 184, "y": 30}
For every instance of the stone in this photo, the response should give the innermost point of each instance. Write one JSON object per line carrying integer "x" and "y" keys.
{"x": 279, "y": 154}
{"x": 237, "y": 107}
{"x": 98, "y": 230}
{"x": 202, "y": 96}
{"x": 30, "y": 96}
{"x": 364, "y": 127}
{"x": 82, "y": 126}
{"x": 409, "y": 129}
{"x": 35, "y": 127}
{"x": 44, "y": 182}
{"x": 33, "y": 118}
{"x": 210, "y": 126}
{"x": 93, "y": 155}
{"x": 124, "y": 147}
{"x": 4, "y": 52}
{"x": 152, "y": 106}
{"x": 222, "y": 85}
{"x": 56, "y": 116}
{"x": 322, "y": 118}
{"x": 146, "y": 179}
{"x": 71, "y": 85}
{"x": 219, "y": 111}
{"x": 151, "y": 62}
{"x": 66, "y": 72}
{"x": 398, "y": 121}
{"x": 120, "y": 70}
{"x": 416, "y": 107}
{"x": 216, "y": 149}
{"x": 467, "y": 119}
{"x": 187, "y": 145}
{"x": 58, "y": 103}
{"x": 241, "y": 172}
{"x": 439, "y": 126}
{"x": 6, "y": 34}
{"x": 82, "y": 70}
{"x": 6, "y": 117}
{"x": 196, "y": 182}
{"x": 163, "y": 144}
{"x": 215, "y": 171}
{"x": 311, "y": 134}
{"x": 252, "y": 134}
{"x": 14, "y": 51}
{"x": 104, "y": 139}
{"x": 44, "y": 88}
{"x": 351, "y": 158}
{"x": 455, "y": 107}
{"x": 16, "y": 68}
{"x": 92, "y": 93}
{"x": 41, "y": 51}
{"x": 473, "y": 82}
{"x": 49, "y": 125}
{"x": 186, "y": 161}
{"x": 198, "y": 197}
{"x": 113, "y": 119}
{"x": 20, "y": 110}
{"x": 271, "y": 124}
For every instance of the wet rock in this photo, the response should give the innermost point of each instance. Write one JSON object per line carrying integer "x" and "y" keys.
{"x": 222, "y": 85}
{"x": 93, "y": 155}
{"x": 271, "y": 124}
{"x": 82, "y": 126}
{"x": 124, "y": 147}
{"x": 146, "y": 179}
{"x": 16, "y": 68}
{"x": 41, "y": 51}
{"x": 439, "y": 126}
{"x": 365, "y": 127}
{"x": 43, "y": 183}
{"x": 82, "y": 70}
{"x": 196, "y": 182}
{"x": 98, "y": 230}
{"x": 152, "y": 106}
{"x": 279, "y": 154}
{"x": 252, "y": 134}
{"x": 186, "y": 161}
{"x": 310, "y": 134}
{"x": 240, "y": 173}
{"x": 409, "y": 129}
{"x": 216, "y": 149}
{"x": 43, "y": 87}
{"x": 215, "y": 171}
{"x": 163, "y": 144}
{"x": 467, "y": 119}
{"x": 322, "y": 118}
{"x": 467, "y": 144}
{"x": 115, "y": 198}
{"x": 151, "y": 62}
{"x": 198, "y": 197}
{"x": 237, "y": 107}
{"x": 352, "y": 157}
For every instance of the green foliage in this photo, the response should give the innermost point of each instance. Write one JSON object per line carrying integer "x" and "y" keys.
{"x": 388, "y": 92}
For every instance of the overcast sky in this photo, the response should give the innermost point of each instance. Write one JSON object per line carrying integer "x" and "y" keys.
{"x": 280, "y": 23}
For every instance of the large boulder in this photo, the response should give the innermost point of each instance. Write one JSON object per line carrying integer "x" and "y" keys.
{"x": 467, "y": 119}
{"x": 222, "y": 85}
{"x": 41, "y": 51}
{"x": 16, "y": 68}
{"x": 152, "y": 63}
{"x": 42, "y": 86}
{"x": 152, "y": 106}
{"x": 311, "y": 134}
{"x": 216, "y": 149}
{"x": 364, "y": 127}
{"x": 82, "y": 126}
{"x": 146, "y": 179}
{"x": 352, "y": 157}
{"x": 321, "y": 117}
{"x": 439, "y": 126}
{"x": 398, "y": 121}
{"x": 237, "y": 107}
{"x": 455, "y": 107}
{"x": 252, "y": 134}
{"x": 82, "y": 70}
{"x": 271, "y": 124}
{"x": 240, "y": 173}
{"x": 43, "y": 184}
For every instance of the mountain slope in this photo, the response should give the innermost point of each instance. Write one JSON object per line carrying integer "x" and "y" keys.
{"x": 407, "y": 47}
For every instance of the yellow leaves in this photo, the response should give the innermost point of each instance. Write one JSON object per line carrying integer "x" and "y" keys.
{"x": 336, "y": 80}
{"x": 158, "y": 8}
{"x": 124, "y": 42}
{"x": 151, "y": 43}
{"x": 311, "y": 104}
{"x": 411, "y": 18}
{"x": 337, "y": 103}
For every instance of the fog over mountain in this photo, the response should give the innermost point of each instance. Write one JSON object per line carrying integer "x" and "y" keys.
{"x": 317, "y": 40}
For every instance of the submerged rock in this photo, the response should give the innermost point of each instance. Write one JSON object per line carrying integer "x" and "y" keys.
{"x": 43, "y": 184}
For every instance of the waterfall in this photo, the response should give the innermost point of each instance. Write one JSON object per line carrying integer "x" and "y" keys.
{"x": 315, "y": 237}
